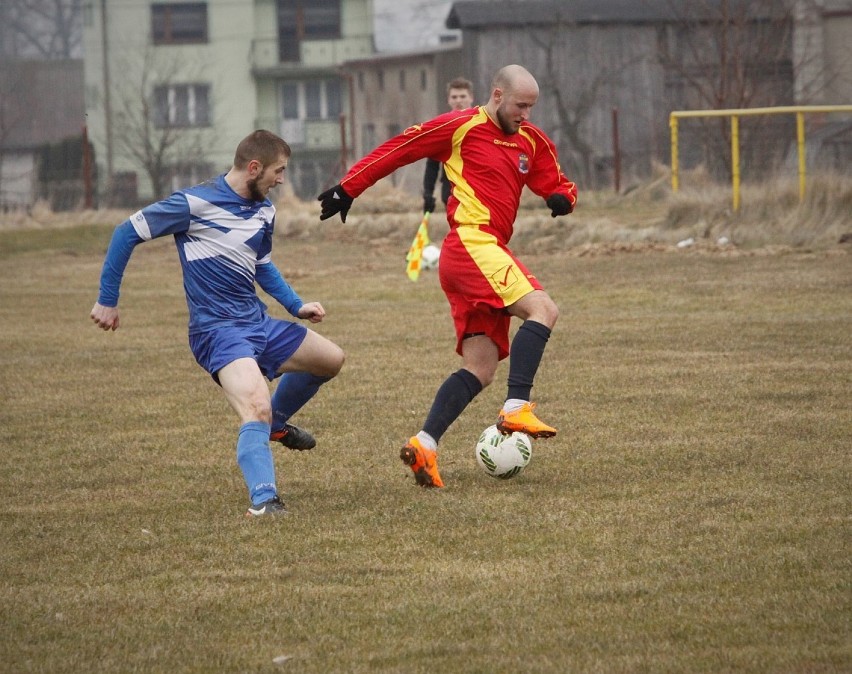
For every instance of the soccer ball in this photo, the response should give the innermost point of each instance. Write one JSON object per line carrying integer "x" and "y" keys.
{"x": 503, "y": 455}
{"x": 429, "y": 257}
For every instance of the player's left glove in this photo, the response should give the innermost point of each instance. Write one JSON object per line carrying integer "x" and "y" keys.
{"x": 559, "y": 204}
{"x": 335, "y": 200}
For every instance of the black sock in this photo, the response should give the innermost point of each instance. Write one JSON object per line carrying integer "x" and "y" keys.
{"x": 454, "y": 395}
{"x": 524, "y": 358}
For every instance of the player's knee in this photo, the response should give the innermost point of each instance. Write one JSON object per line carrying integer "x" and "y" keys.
{"x": 334, "y": 361}
{"x": 545, "y": 312}
{"x": 485, "y": 375}
{"x": 552, "y": 313}
{"x": 258, "y": 410}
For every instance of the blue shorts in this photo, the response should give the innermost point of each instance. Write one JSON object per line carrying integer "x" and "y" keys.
{"x": 270, "y": 343}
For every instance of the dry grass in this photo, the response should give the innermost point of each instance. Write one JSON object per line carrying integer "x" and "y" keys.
{"x": 646, "y": 217}
{"x": 692, "y": 515}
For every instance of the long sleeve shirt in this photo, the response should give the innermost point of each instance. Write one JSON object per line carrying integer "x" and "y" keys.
{"x": 487, "y": 168}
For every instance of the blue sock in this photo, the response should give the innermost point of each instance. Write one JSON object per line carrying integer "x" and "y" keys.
{"x": 255, "y": 460}
{"x": 294, "y": 390}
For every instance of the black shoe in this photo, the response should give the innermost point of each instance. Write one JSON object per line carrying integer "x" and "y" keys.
{"x": 271, "y": 508}
{"x": 293, "y": 437}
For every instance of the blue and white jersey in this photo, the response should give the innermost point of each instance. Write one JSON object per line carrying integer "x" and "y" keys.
{"x": 221, "y": 237}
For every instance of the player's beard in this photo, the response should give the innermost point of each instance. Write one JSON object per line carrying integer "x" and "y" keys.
{"x": 507, "y": 125}
{"x": 254, "y": 190}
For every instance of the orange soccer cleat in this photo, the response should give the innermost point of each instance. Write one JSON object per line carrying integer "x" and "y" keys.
{"x": 524, "y": 420}
{"x": 423, "y": 463}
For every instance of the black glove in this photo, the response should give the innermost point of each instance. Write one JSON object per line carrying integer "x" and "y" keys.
{"x": 335, "y": 200}
{"x": 559, "y": 204}
{"x": 428, "y": 203}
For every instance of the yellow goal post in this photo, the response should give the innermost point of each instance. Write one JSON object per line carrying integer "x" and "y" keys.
{"x": 799, "y": 110}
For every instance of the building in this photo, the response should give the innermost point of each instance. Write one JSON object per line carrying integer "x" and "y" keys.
{"x": 390, "y": 92}
{"x": 823, "y": 48}
{"x": 39, "y": 105}
{"x": 644, "y": 59}
{"x": 172, "y": 87}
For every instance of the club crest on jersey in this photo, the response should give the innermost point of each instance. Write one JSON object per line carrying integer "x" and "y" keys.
{"x": 523, "y": 163}
{"x": 414, "y": 128}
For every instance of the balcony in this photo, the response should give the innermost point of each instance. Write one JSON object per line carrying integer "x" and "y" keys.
{"x": 314, "y": 55}
{"x": 308, "y": 134}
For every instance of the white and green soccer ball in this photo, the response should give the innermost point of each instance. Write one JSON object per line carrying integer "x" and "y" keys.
{"x": 503, "y": 455}
{"x": 429, "y": 257}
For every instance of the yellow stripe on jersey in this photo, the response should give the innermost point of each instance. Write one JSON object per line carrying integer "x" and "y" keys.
{"x": 471, "y": 211}
{"x": 496, "y": 265}
{"x": 526, "y": 134}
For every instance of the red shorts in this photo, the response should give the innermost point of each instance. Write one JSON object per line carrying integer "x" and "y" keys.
{"x": 481, "y": 277}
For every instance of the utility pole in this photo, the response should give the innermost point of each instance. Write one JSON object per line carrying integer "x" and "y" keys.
{"x": 107, "y": 98}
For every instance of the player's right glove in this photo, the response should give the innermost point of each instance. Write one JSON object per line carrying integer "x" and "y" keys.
{"x": 559, "y": 204}
{"x": 335, "y": 200}
{"x": 428, "y": 203}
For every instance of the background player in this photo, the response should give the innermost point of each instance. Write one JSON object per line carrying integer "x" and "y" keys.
{"x": 459, "y": 97}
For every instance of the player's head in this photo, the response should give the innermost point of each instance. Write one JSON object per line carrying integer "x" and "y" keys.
{"x": 514, "y": 92}
{"x": 459, "y": 93}
{"x": 262, "y": 157}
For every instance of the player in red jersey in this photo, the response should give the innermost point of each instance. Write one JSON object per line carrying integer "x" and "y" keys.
{"x": 489, "y": 154}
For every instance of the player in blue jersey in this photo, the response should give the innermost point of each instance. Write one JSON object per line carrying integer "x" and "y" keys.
{"x": 223, "y": 232}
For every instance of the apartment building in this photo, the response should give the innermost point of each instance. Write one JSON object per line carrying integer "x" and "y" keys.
{"x": 172, "y": 87}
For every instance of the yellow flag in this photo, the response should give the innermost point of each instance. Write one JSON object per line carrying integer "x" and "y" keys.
{"x": 415, "y": 252}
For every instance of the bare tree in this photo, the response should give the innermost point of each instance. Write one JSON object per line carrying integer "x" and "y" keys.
{"x": 728, "y": 54}
{"x": 146, "y": 133}
{"x": 577, "y": 96}
{"x": 45, "y": 29}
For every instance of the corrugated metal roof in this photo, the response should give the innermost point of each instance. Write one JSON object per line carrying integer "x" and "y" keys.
{"x": 481, "y": 13}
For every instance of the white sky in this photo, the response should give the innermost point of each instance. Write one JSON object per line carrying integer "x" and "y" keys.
{"x": 409, "y": 25}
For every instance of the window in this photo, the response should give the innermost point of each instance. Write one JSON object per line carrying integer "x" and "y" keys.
{"x": 368, "y": 137}
{"x": 179, "y": 23}
{"x": 333, "y": 102}
{"x": 402, "y": 80}
{"x": 311, "y": 99}
{"x": 189, "y": 173}
{"x": 182, "y": 105}
{"x": 305, "y": 20}
{"x": 381, "y": 76}
{"x": 290, "y": 100}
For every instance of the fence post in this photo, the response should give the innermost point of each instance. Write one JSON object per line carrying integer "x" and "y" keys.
{"x": 88, "y": 201}
{"x": 673, "y": 126}
{"x": 616, "y": 151}
{"x": 735, "y": 159}
{"x": 800, "y": 147}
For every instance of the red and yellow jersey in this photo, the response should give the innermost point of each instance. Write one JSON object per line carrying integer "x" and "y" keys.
{"x": 487, "y": 168}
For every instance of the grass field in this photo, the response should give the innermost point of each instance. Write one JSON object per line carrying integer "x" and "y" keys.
{"x": 692, "y": 515}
